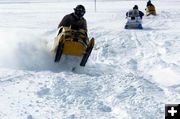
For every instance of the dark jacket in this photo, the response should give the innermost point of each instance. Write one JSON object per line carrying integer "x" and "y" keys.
{"x": 141, "y": 14}
{"x": 73, "y": 21}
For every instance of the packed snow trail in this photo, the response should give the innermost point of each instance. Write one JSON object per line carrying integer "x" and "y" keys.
{"x": 130, "y": 74}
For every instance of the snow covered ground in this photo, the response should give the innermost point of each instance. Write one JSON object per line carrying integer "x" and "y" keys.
{"x": 131, "y": 74}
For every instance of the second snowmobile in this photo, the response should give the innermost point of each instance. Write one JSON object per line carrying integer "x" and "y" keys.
{"x": 134, "y": 20}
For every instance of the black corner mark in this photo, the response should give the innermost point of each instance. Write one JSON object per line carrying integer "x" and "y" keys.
{"x": 172, "y": 111}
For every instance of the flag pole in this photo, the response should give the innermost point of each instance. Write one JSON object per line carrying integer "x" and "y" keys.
{"x": 95, "y": 5}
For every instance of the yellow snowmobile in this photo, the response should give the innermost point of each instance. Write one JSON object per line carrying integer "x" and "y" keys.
{"x": 74, "y": 43}
{"x": 150, "y": 10}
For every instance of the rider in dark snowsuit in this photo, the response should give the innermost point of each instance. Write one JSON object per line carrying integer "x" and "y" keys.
{"x": 141, "y": 14}
{"x": 75, "y": 19}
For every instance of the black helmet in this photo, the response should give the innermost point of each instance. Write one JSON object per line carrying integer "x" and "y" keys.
{"x": 135, "y": 7}
{"x": 149, "y": 3}
{"x": 79, "y": 10}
